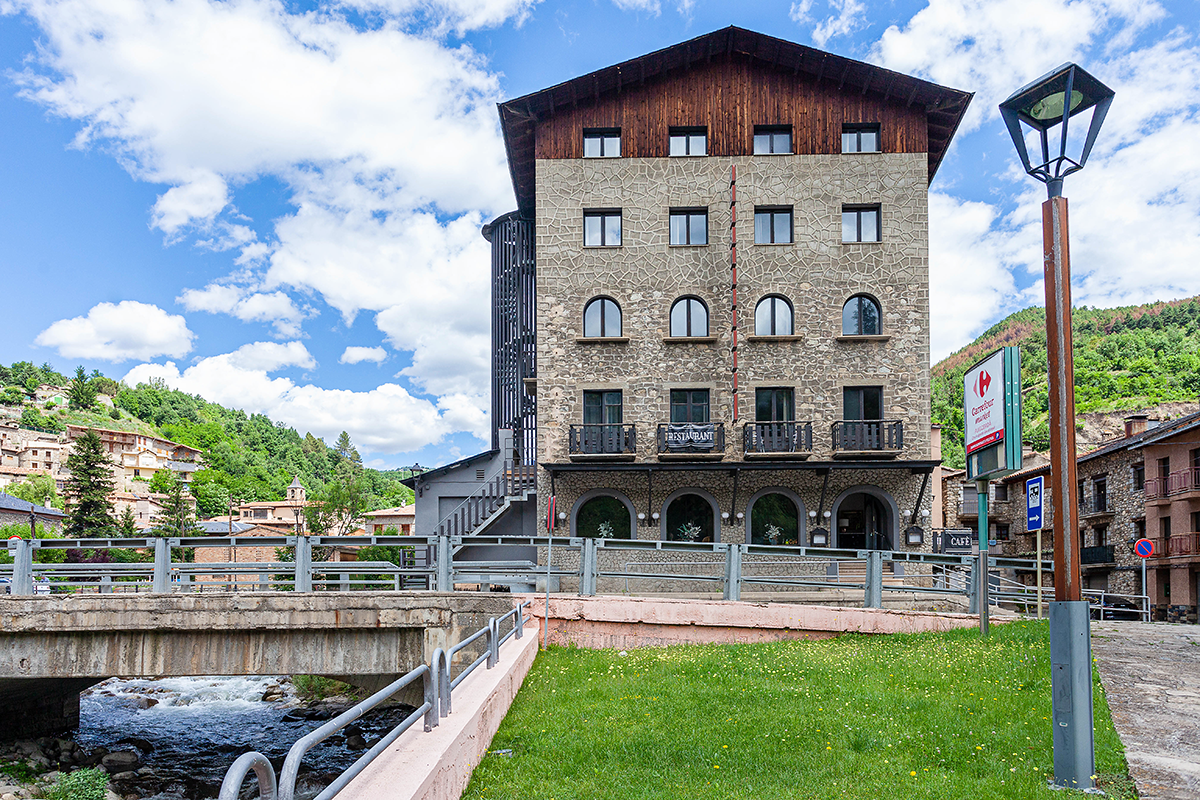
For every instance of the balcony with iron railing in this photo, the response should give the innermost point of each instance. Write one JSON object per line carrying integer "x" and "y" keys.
{"x": 785, "y": 440}
{"x": 1155, "y": 488}
{"x": 1100, "y": 554}
{"x": 870, "y": 438}
{"x": 1185, "y": 481}
{"x": 1095, "y": 507}
{"x": 691, "y": 440}
{"x": 604, "y": 441}
{"x": 1185, "y": 544}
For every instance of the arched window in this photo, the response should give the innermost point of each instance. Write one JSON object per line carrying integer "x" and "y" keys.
{"x": 603, "y": 517}
{"x": 773, "y": 316}
{"x": 601, "y": 317}
{"x": 689, "y": 317}
{"x": 860, "y": 316}
{"x": 774, "y": 519}
{"x": 690, "y": 519}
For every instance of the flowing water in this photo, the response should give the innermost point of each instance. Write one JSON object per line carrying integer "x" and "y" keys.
{"x": 198, "y": 726}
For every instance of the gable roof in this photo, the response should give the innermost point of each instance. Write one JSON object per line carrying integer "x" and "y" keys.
{"x": 1168, "y": 429}
{"x": 16, "y": 504}
{"x": 944, "y": 107}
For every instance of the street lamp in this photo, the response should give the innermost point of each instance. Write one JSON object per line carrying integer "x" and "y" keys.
{"x": 1047, "y": 106}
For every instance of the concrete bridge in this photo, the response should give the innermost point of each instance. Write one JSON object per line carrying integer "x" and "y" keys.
{"x": 53, "y": 647}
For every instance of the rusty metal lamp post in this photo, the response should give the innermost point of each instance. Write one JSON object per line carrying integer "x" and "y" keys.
{"x": 1046, "y": 107}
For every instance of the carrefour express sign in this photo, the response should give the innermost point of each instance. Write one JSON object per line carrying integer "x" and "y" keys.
{"x": 983, "y": 403}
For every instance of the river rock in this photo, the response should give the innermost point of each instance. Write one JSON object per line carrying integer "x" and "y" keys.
{"x": 124, "y": 777}
{"x": 120, "y": 761}
{"x": 138, "y": 742}
{"x": 109, "y": 794}
{"x": 355, "y": 741}
{"x": 8, "y": 796}
{"x": 27, "y": 747}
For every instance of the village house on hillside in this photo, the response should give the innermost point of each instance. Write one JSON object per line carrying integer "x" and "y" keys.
{"x": 282, "y": 516}
{"x": 138, "y": 457}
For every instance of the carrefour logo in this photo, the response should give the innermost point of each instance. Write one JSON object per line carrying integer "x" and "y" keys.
{"x": 982, "y": 383}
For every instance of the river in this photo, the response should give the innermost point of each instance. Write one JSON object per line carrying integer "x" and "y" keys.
{"x": 198, "y": 726}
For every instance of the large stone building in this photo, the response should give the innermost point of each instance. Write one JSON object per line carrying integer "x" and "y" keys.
{"x": 711, "y": 307}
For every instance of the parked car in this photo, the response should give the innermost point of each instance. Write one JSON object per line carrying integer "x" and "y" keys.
{"x": 1115, "y": 607}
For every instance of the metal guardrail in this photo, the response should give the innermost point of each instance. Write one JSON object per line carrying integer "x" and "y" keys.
{"x": 733, "y": 567}
{"x": 437, "y": 691}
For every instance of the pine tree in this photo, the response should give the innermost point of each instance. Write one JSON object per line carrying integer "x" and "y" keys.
{"x": 177, "y": 517}
{"x": 88, "y": 489}
{"x": 127, "y": 524}
{"x": 346, "y": 450}
{"x": 81, "y": 392}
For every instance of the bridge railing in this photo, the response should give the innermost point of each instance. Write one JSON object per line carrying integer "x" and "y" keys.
{"x": 445, "y": 563}
{"x": 437, "y": 690}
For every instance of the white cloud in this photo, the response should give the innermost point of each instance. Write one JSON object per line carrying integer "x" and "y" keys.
{"x": 850, "y": 16}
{"x": 799, "y": 12}
{"x": 649, "y": 6}
{"x": 119, "y": 332}
{"x": 275, "y": 308}
{"x": 993, "y": 47}
{"x": 385, "y": 420}
{"x": 357, "y": 355}
{"x": 271, "y": 356}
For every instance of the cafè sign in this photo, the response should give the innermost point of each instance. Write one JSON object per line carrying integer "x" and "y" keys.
{"x": 691, "y": 436}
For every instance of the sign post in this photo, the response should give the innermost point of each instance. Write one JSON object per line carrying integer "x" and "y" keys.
{"x": 1144, "y": 548}
{"x": 992, "y": 427}
{"x": 1034, "y": 516}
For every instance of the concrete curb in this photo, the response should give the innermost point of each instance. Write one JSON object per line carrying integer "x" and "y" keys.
{"x": 437, "y": 765}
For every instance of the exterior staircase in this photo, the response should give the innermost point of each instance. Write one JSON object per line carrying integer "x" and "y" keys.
{"x": 515, "y": 483}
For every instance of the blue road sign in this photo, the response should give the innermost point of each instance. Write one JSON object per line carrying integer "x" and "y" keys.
{"x": 1033, "y": 502}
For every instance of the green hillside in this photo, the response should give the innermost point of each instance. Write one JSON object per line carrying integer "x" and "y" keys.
{"x": 1125, "y": 358}
{"x": 247, "y": 457}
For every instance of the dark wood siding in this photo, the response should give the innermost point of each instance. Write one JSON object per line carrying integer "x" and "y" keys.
{"x": 729, "y": 96}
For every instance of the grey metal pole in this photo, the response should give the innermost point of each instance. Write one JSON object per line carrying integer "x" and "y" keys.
{"x": 873, "y": 592}
{"x": 303, "y": 579}
{"x": 549, "y": 561}
{"x": 162, "y": 567}
{"x": 23, "y": 568}
{"x": 1071, "y": 693}
{"x": 981, "y": 489}
{"x": 444, "y": 570}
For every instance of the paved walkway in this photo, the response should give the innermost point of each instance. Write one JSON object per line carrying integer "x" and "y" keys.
{"x": 1151, "y": 673}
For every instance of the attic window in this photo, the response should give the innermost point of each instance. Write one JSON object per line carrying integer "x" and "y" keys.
{"x": 480, "y": 474}
{"x": 602, "y": 143}
{"x": 772, "y": 139}
{"x": 689, "y": 141}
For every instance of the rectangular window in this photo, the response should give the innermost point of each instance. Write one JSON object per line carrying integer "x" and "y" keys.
{"x": 602, "y": 143}
{"x": 860, "y": 138}
{"x": 1196, "y": 458}
{"x": 862, "y": 402}
{"x": 774, "y": 405}
{"x": 1139, "y": 529}
{"x": 602, "y": 408}
{"x": 689, "y": 141}
{"x": 1164, "y": 471}
{"x": 689, "y": 405}
{"x": 1164, "y": 527}
{"x": 772, "y": 140}
{"x": 1101, "y": 535}
{"x": 689, "y": 226}
{"x": 1001, "y": 532}
{"x": 1139, "y": 477}
{"x": 602, "y": 228}
{"x": 1196, "y": 521}
{"x": 1001, "y": 492}
{"x": 773, "y": 225}
{"x": 861, "y": 224}
{"x": 970, "y": 501}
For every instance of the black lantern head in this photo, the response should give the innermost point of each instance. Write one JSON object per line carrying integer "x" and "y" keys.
{"x": 1051, "y": 101}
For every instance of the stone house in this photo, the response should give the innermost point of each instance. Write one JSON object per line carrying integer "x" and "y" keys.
{"x": 402, "y": 518}
{"x": 1171, "y": 458}
{"x": 15, "y": 511}
{"x": 711, "y": 307}
{"x": 137, "y": 457}
{"x": 282, "y": 516}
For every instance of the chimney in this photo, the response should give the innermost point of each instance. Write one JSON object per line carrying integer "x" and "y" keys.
{"x": 1135, "y": 424}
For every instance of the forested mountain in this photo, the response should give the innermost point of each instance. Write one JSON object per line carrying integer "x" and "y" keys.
{"x": 246, "y": 456}
{"x": 1126, "y": 358}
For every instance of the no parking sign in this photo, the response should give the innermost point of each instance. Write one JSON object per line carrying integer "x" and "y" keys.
{"x": 1144, "y": 548}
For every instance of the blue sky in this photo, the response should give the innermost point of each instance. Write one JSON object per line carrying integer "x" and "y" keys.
{"x": 276, "y": 205}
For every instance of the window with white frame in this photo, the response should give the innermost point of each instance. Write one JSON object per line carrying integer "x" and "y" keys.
{"x": 861, "y": 224}
{"x": 689, "y": 141}
{"x": 602, "y": 143}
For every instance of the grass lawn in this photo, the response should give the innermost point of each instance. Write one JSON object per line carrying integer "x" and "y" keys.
{"x": 926, "y": 715}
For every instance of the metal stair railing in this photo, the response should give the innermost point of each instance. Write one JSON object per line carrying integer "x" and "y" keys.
{"x": 513, "y": 482}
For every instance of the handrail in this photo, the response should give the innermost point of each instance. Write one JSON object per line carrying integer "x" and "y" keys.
{"x": 437, "y": 703}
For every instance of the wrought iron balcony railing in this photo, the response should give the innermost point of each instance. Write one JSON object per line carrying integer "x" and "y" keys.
{"x": 1186, "y": 544}
{"x": 777, "y": 437}
{"x": 1101, "y": 554}
{"x": 682, "y": 438}
{"x": 868, "y": 435}
{"x": 602, "y": 439}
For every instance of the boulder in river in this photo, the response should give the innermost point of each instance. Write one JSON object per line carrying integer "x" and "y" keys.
{"x": 120, "y": 761}
{"x": 139, "y": 743}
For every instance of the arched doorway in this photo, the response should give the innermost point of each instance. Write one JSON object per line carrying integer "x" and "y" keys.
{"x": 603, "y": 516}
{"x": 864, "y": 523}
{"x": 690, "y": 517}
{"x": 775, "y": 518}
